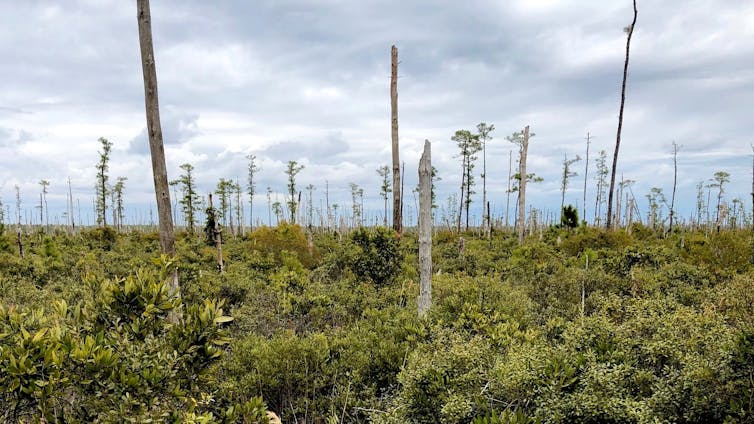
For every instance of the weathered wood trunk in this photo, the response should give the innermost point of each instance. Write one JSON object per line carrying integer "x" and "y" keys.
{"x": 20, "y": 243}
{"x": 156, "y": 148}
{"x": 397, "y": 209}
{"x": 425, "y": 229}
{"x": 217, "y": 236}
{"x": 675, "y": 184}
{"x": 630, "y": 31}
{"x": 522, "y": 188}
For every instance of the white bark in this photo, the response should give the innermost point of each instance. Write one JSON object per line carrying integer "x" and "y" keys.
{"x": 425, "y": 229}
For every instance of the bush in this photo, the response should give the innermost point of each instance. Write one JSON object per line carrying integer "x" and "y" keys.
{"x": 377, "y": 255}
{"x": 133, "y": 351}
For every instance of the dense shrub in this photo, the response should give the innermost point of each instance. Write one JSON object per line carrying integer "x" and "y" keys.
{"x": 377, "y": 255}
{"x": 579, "y": 326}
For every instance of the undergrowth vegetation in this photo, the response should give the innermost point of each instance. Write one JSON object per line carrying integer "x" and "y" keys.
{"x": 574, "y": 326}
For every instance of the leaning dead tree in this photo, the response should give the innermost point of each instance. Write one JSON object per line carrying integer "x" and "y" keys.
{"x": 156, "y": 148}
{"x": 397, "y": 209}
{"x": 630, "y": 31}
{"x": 425, "y": 229}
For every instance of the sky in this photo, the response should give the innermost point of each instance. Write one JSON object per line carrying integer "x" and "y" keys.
{"x": 308, "y": 80}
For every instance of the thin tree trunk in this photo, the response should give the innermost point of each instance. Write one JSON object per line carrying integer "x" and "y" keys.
{"x": 403, "y": 184}
{"x": 463, "y": 182}
{"x": 485, "y": 215}
{"x": 218, "y": 237}
{"x": 156, "y": 148}
{"x": 586, "y": 172}
{"x": 752, "y": 188}
{"x": 620, "y": 120}
{"x": 522, "y": 188}
{"x": 508, "y": 192}
{"x": 397, "y": 207}
{"x": 675, "y": 183}
{"x": 20, "y": 243}
{"x": 70, "y": 202}
{"x": 425, "y": 230}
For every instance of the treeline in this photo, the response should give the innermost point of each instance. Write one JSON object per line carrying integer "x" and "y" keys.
{"x": 235, "y": 199}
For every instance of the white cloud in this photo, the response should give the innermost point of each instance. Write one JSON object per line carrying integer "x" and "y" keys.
{"x": 308, "y": 81}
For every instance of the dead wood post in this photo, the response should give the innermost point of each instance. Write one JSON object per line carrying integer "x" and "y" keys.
{"x": 397, "y": 207}
{"x": 217, "y": 236}
{"x": 425, "y": 229}
{"x": 154, "y": 130}
{"x": 522, "y": 188}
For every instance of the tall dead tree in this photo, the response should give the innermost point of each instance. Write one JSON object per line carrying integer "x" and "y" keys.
{"x": 425, "y": 229}
{"x": 586, "y": 173}
{"x": 752, "y": 187}
{"x": 397, "y": 209}
{"x": 156, "y": 148}
{"x": 630, "y": 31}
{"x": 522, "y": 187}
{"x": 675, "y": 183}
{"x": 217, "y": 235}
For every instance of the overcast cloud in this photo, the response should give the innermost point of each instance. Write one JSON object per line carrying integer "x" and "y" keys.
{"x": 308, "y": 80}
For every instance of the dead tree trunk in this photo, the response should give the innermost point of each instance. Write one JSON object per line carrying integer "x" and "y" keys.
{"x": 675, "y": 183}
{"x": 630, "y": 31}
{"x": 508, "y": 192}
{"x": 397, "y": 209}
{"x": 156, "y": 148}
{"x": 217, "y": 236}
{"x": 586, "y": 173}
{"x": 425, "y": 229}
{"x": 522, "y": 188}
{"x": 20, "y": 243}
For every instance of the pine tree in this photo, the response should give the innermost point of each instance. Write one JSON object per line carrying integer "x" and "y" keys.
{"x": 117, "y": 192}
{"x": 567, "y": 173}
{"x": 190, "y": 201}
{"x": 251, "y": 186}
{"x": 385, "y": 190}
{"x": 291, "y": 171}
{"x": 103, "y": 188}
{"x": 223, "y": 191}
{"x": 469, "y": 145}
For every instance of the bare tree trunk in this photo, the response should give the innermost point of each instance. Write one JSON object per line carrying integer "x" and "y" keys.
{"x": 71, "y": 221}
{"x": 752, "y": 188}
{"x": 460, "y": 205}
{"x": 217, "y": 235}
{"x": 630, "y": 31}
{"x": 397, "y": 207}
{"x": 508, "y": 193}
{"x": 156, "y": 148}
{"x": 425, "y": 229}
{"x": 522, "y": 188}
{"x": 485, "y": 215}
{"x": 20, "y": 243}
{"x": 586, "y": 172}
{"x": 675, "y": 183}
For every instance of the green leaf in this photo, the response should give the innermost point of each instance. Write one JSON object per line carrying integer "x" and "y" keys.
{"x": 223, "y": 319}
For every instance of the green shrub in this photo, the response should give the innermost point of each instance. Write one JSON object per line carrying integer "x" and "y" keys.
{"x": 132, "y": 352}
{"x": 377, "y": 254}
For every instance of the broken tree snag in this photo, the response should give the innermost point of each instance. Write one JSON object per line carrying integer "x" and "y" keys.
{"x": 154, "y": 130}
{"x": 397, "y": 209}
{"x": 425, "y": 229}
{"x": 522, "y": 188}
{"x": 217, "y": 236}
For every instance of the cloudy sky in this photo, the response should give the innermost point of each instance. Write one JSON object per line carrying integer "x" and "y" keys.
{"x": 308, "y": 80}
